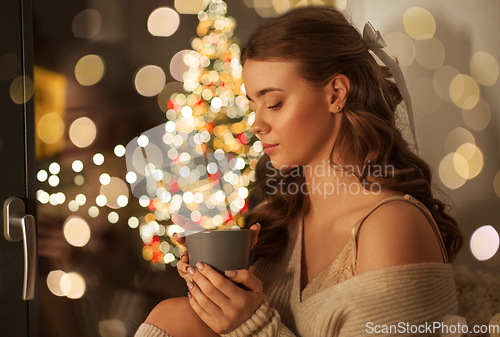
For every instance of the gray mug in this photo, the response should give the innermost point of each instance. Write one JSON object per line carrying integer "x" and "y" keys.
{"x": 221, "y": 249}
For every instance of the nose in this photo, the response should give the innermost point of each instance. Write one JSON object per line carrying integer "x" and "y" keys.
{"x": 259, "y": 126}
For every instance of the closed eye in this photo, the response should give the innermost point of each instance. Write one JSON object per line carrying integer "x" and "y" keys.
{"x": 274, "y": 107}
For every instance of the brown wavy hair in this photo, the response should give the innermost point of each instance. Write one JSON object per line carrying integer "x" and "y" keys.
{"x": 322, "y": 43}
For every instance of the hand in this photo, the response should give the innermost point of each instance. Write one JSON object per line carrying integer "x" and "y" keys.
{"x": 183, "y": 263}
{"x": 183, "y": 266}
{"x": 221, "y": 304}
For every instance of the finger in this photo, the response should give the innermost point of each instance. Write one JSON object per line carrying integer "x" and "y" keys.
{"x": 184, "y": 256}
{"x": 255, "y": 233}
{"x": 197, "y": 308}
{"x": 246, "y": 278}
{"x": 200, "y": 311}
{"x": 182, "y": 266}
{"x": 201, "y": 298}
{"x": 179, "y": 240}
{"x": 183, "y": 270}
{"x": 213, "y": 285}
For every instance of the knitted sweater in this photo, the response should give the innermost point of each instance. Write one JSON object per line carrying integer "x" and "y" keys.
{"x": 345, "y": 304}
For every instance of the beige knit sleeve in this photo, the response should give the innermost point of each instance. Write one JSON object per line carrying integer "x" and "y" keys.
{"x": 265, "y": 322}
{"x": 149, "y": 330}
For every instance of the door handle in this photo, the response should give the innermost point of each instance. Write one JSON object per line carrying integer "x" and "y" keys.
{"x": 19, "y": 226}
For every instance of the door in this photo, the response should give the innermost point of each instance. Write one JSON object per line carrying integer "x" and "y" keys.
{"x": 18, "y": 317}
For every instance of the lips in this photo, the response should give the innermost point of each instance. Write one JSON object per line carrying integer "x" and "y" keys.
{"x": 269, "y": 148}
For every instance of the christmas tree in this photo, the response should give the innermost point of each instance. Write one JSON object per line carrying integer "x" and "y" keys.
{"x": 200, "y": 163}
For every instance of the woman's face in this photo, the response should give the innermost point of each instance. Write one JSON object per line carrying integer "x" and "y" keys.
{"x": 290, "y": 114}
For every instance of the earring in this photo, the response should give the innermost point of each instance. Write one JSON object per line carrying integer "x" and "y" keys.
{"x": 338, "y": 108}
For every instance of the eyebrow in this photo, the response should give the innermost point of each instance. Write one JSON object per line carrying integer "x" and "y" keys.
{"x": 263, "y": 92}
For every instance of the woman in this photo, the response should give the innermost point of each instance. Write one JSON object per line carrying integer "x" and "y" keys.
{"x": 351, "y": 240}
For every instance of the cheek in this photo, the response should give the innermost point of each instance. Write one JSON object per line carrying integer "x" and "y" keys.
{"x": 309, "y": 117}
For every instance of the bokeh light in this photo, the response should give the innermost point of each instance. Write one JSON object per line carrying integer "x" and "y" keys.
{"x": 143, "y": 140}
{"x": 57, "y": 198}
{"x": 401, "y": 47}
{"x": 76, "y": 231}
{"x": 131, "y": 177}
{"x": 169, "y": 89}
{"x": 496, "y": 184}
{"x": 163, "y": 21}
{"x": 119, "y": 150}
{"x": 464, "y": 91}
{"x": 144, "y": 201}
{"x": 73, "y": 206}
{"x": 53, "y": 181}
{"x": 22, "y": 89}
{"x": 42, "y": 175}
{"x": 100, "y": 200}
{"x": 79, "y": 180}
{"x": 264, "y": 8}
{"x": 305, "y": 3}
{"x": 169, "y": 257}
{"x": 190, "y": 6}
{"x": 93, "y": 212}
{"x": 484, "y": 243}
{"x": 89, "y": 70}
{"x": 82, "y": 132}
{"x": 54, "y": 282}
{"x": 456, "y": 138}
{"x": 430, "y": 53}
{"x": 281, "y": 6}
{"x": 154, "y": 155}
{"x": 133, "y": 222}
{"x": 177, "y": 65}
{"x": 113, "y": 217}
{"x": 86, "y": 24}
{"x": 72, "y": 285}
{"x": 113, "y": 190}
{"x": 484, "y": 68}
{"x": 441, "y": 81}
{"x": 50, "y": 128}
{"x": 122, "y": 201}
{"x": 104, "y": 179}
{"x": 340, "y": 5}
{"x": 81, "y": 199}
{"x": 98, "y": 159}
{"x": 419, "y": 23}
{"x": 150, "y": 80}
{"x": 495, "y": 321}
{"x": 54, "y": 168}
{"x": 478, "y": 117}
{"x": 447, "y": 173}
{"x": 77, "y": 166}
{"x": 474, "y": 158}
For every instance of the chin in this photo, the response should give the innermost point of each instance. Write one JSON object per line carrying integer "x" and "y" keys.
{"x": 278, "y": 164}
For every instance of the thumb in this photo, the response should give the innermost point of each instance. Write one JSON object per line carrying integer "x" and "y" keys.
{"x": 255, "y": 234}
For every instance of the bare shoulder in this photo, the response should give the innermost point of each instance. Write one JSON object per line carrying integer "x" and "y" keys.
{"x": 396, "y": 233}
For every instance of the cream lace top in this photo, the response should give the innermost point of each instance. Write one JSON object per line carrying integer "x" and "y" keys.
{"x": 343, "y": 266}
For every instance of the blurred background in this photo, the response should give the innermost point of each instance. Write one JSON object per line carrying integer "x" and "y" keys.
{"x": 108, "y": 71}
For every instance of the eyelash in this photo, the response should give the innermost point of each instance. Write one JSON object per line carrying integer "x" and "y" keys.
{"x": 274, "y": 107}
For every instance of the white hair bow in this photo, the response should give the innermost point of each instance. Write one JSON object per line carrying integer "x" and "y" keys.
{"x": 375, "y": 42}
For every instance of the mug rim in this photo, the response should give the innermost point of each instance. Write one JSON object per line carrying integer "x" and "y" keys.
{"x": 208, "y": 231}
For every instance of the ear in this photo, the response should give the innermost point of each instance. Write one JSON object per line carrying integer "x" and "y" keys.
{"x": 338, "y": 89}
